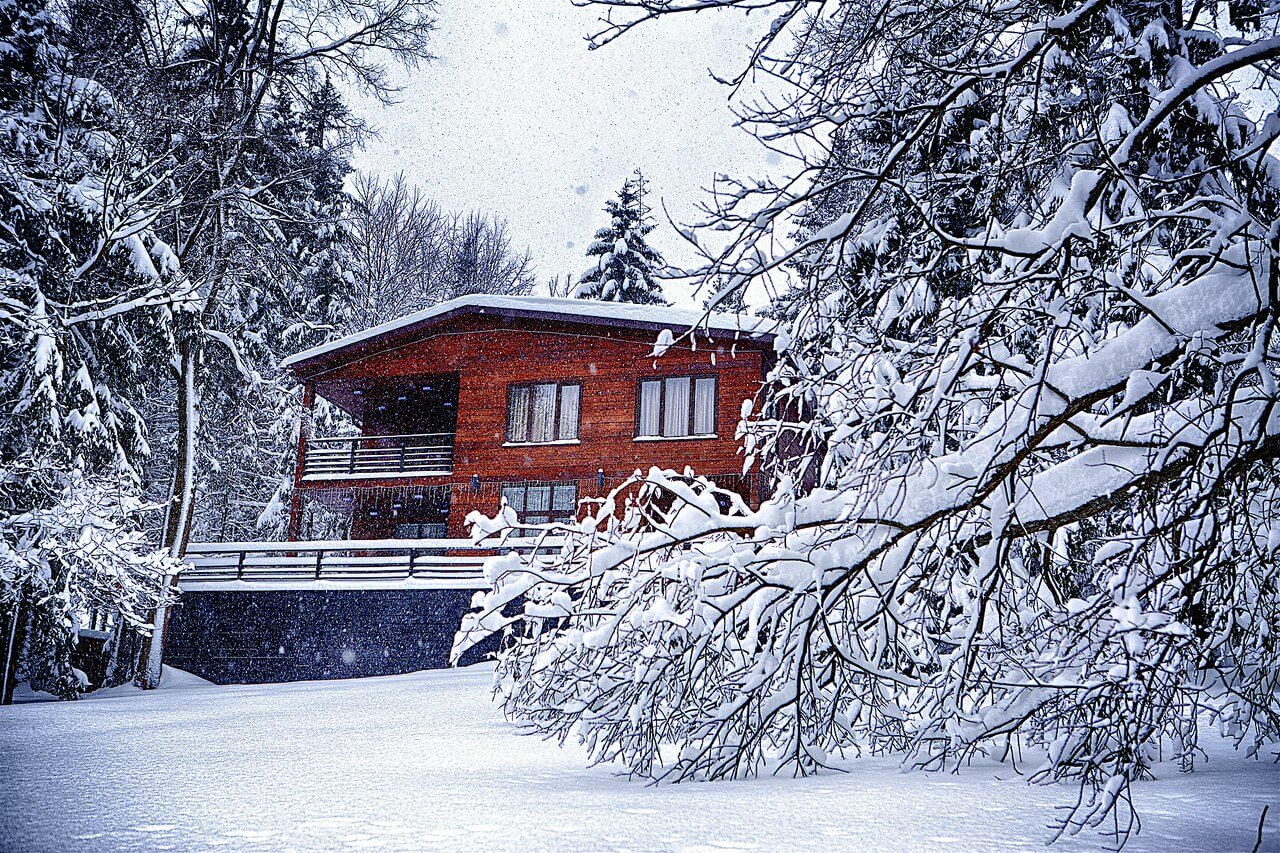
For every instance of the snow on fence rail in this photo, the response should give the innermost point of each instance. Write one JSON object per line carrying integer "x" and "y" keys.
{"x": 371, "y": 455}
{"x": 346, "y": 563}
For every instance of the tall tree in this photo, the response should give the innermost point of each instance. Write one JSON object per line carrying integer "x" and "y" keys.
{"x": 1033, "y": 348}
{"x": 84, "y": 286}
{"x": 219, "y": 87}
{"x": 625, "y": 263}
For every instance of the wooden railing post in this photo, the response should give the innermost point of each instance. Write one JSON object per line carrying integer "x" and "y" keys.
{"x": 305, "y": 430}
{"x": 319, "y": 557}
{"x": 240, "y": 566}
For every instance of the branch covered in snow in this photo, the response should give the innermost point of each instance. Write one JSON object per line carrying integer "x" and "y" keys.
{"x": 1024, "y": 424}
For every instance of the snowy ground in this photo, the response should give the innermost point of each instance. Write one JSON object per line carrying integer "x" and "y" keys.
{"x": 426, "y": 761}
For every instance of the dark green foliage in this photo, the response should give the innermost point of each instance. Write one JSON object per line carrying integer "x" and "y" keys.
{"x": 625, "y": 267}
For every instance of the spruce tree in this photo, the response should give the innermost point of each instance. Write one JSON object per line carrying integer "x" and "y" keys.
{"x": 625, "y": 265}
{"x": 82, "y": 283}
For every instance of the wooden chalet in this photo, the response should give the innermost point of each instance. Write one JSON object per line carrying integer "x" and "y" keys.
{"x": 538, "y": 402}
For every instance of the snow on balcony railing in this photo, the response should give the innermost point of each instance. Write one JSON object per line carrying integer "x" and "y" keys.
{"x": 378, "y": 455}
{"x": 346, "y": 563}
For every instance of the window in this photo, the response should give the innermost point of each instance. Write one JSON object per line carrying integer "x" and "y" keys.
{"x": 542, "y": 503}
{"x": 542, "y": 413}
{"x": 676, "y": 407}
{"x": 423, "y": 530}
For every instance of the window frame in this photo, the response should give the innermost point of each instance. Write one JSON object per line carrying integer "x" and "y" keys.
{"x": 693, "y": 398}
{"x": 567, "y": 517}
{"x": 560, "y": 385}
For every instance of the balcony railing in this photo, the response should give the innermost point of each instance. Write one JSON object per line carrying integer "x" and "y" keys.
{"x": 378, "y": 455}
{"x": 378, "y": 563}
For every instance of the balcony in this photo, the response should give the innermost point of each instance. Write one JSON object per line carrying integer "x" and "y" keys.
{"x": 370, "y": 456}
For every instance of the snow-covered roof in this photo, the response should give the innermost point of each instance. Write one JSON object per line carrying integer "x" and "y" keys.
{"x": 651, "y": 317}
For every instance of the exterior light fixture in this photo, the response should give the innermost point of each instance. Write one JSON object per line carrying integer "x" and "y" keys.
{"x": 475, "y": 482}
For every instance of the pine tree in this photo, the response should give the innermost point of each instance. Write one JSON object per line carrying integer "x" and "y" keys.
{"x": 723, "y": 298}
{"x": 326, "y": 115}
{"x": 625, "y": 267}
{"x": 292, "y": 296}
{"x": 83, "y": 285}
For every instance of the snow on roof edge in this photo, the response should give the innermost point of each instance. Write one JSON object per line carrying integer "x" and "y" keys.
{"x": 580, "y": 309}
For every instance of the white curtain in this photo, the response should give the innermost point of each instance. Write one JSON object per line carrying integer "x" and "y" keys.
{"x": 569, "y": 396}
{"x": 518, "y": 415}
{"x": 564, "y": 500}
{"x": 537, "y": 504}
{"x": 544, "y": 413}
{"x": 704, "y": 406}
{"x": 650, "y": 398}
{"x": 675, "y": 420}
{"x": 514, "y": 496}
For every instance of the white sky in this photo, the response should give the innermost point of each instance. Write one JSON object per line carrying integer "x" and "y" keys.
{"x": 518, "y": 118}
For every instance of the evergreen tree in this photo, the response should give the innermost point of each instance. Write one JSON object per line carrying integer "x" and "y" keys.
{"x": 625, "y": 266}
{"x": 84, "y": 282}
{"x": 296, "y": 294}
{"x": 725, "y": 298}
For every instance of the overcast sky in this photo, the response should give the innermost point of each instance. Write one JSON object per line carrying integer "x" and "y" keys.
{"x": 518, "y": 118}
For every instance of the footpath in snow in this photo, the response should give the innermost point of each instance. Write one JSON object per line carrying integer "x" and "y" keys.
{"x": 426, "y": 761}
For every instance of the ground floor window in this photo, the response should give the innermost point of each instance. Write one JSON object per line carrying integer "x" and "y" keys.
{"x": 420, "y": 530}
{"x": 542, "y": 503}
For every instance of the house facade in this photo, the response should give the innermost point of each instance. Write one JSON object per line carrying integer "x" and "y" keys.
{"x": 538, "y": 403}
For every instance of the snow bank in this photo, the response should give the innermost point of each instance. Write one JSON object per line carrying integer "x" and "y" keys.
{"x": 425, "y": 761}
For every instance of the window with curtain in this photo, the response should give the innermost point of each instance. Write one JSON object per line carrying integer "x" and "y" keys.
{"x": 543, "y": 412}
{"x": 420, "y": 530}
{"x": 542, "y": 503}
{"x": 676, "y": 407}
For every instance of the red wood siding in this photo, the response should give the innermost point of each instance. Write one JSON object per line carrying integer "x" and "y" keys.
{"x": 490, "y": 353}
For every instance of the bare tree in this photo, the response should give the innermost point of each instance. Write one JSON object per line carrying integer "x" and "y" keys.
{"x": 481, "y": 258}
{"x": 406, "y": 254}
{"x": 397, "y": 244}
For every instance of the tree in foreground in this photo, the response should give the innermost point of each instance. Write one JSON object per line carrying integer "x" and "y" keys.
{"x": 625, "y": 263}
{"x": 1030, "y": 363}
{"x": 83, "y": 278}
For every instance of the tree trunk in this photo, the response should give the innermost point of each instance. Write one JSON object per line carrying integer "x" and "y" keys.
{"x": 178, "y": 514}
{"x": 11, "y": 641}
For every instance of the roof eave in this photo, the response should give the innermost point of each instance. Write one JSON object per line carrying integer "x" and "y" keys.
{"x": 305, "y": 367}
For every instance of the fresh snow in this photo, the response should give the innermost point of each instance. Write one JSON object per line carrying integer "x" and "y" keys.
{"x": 426, "y": 761}
{"x": 591, "y": 310}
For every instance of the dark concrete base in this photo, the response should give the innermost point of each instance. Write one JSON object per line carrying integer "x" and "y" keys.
{"x": 288, "y": 635}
